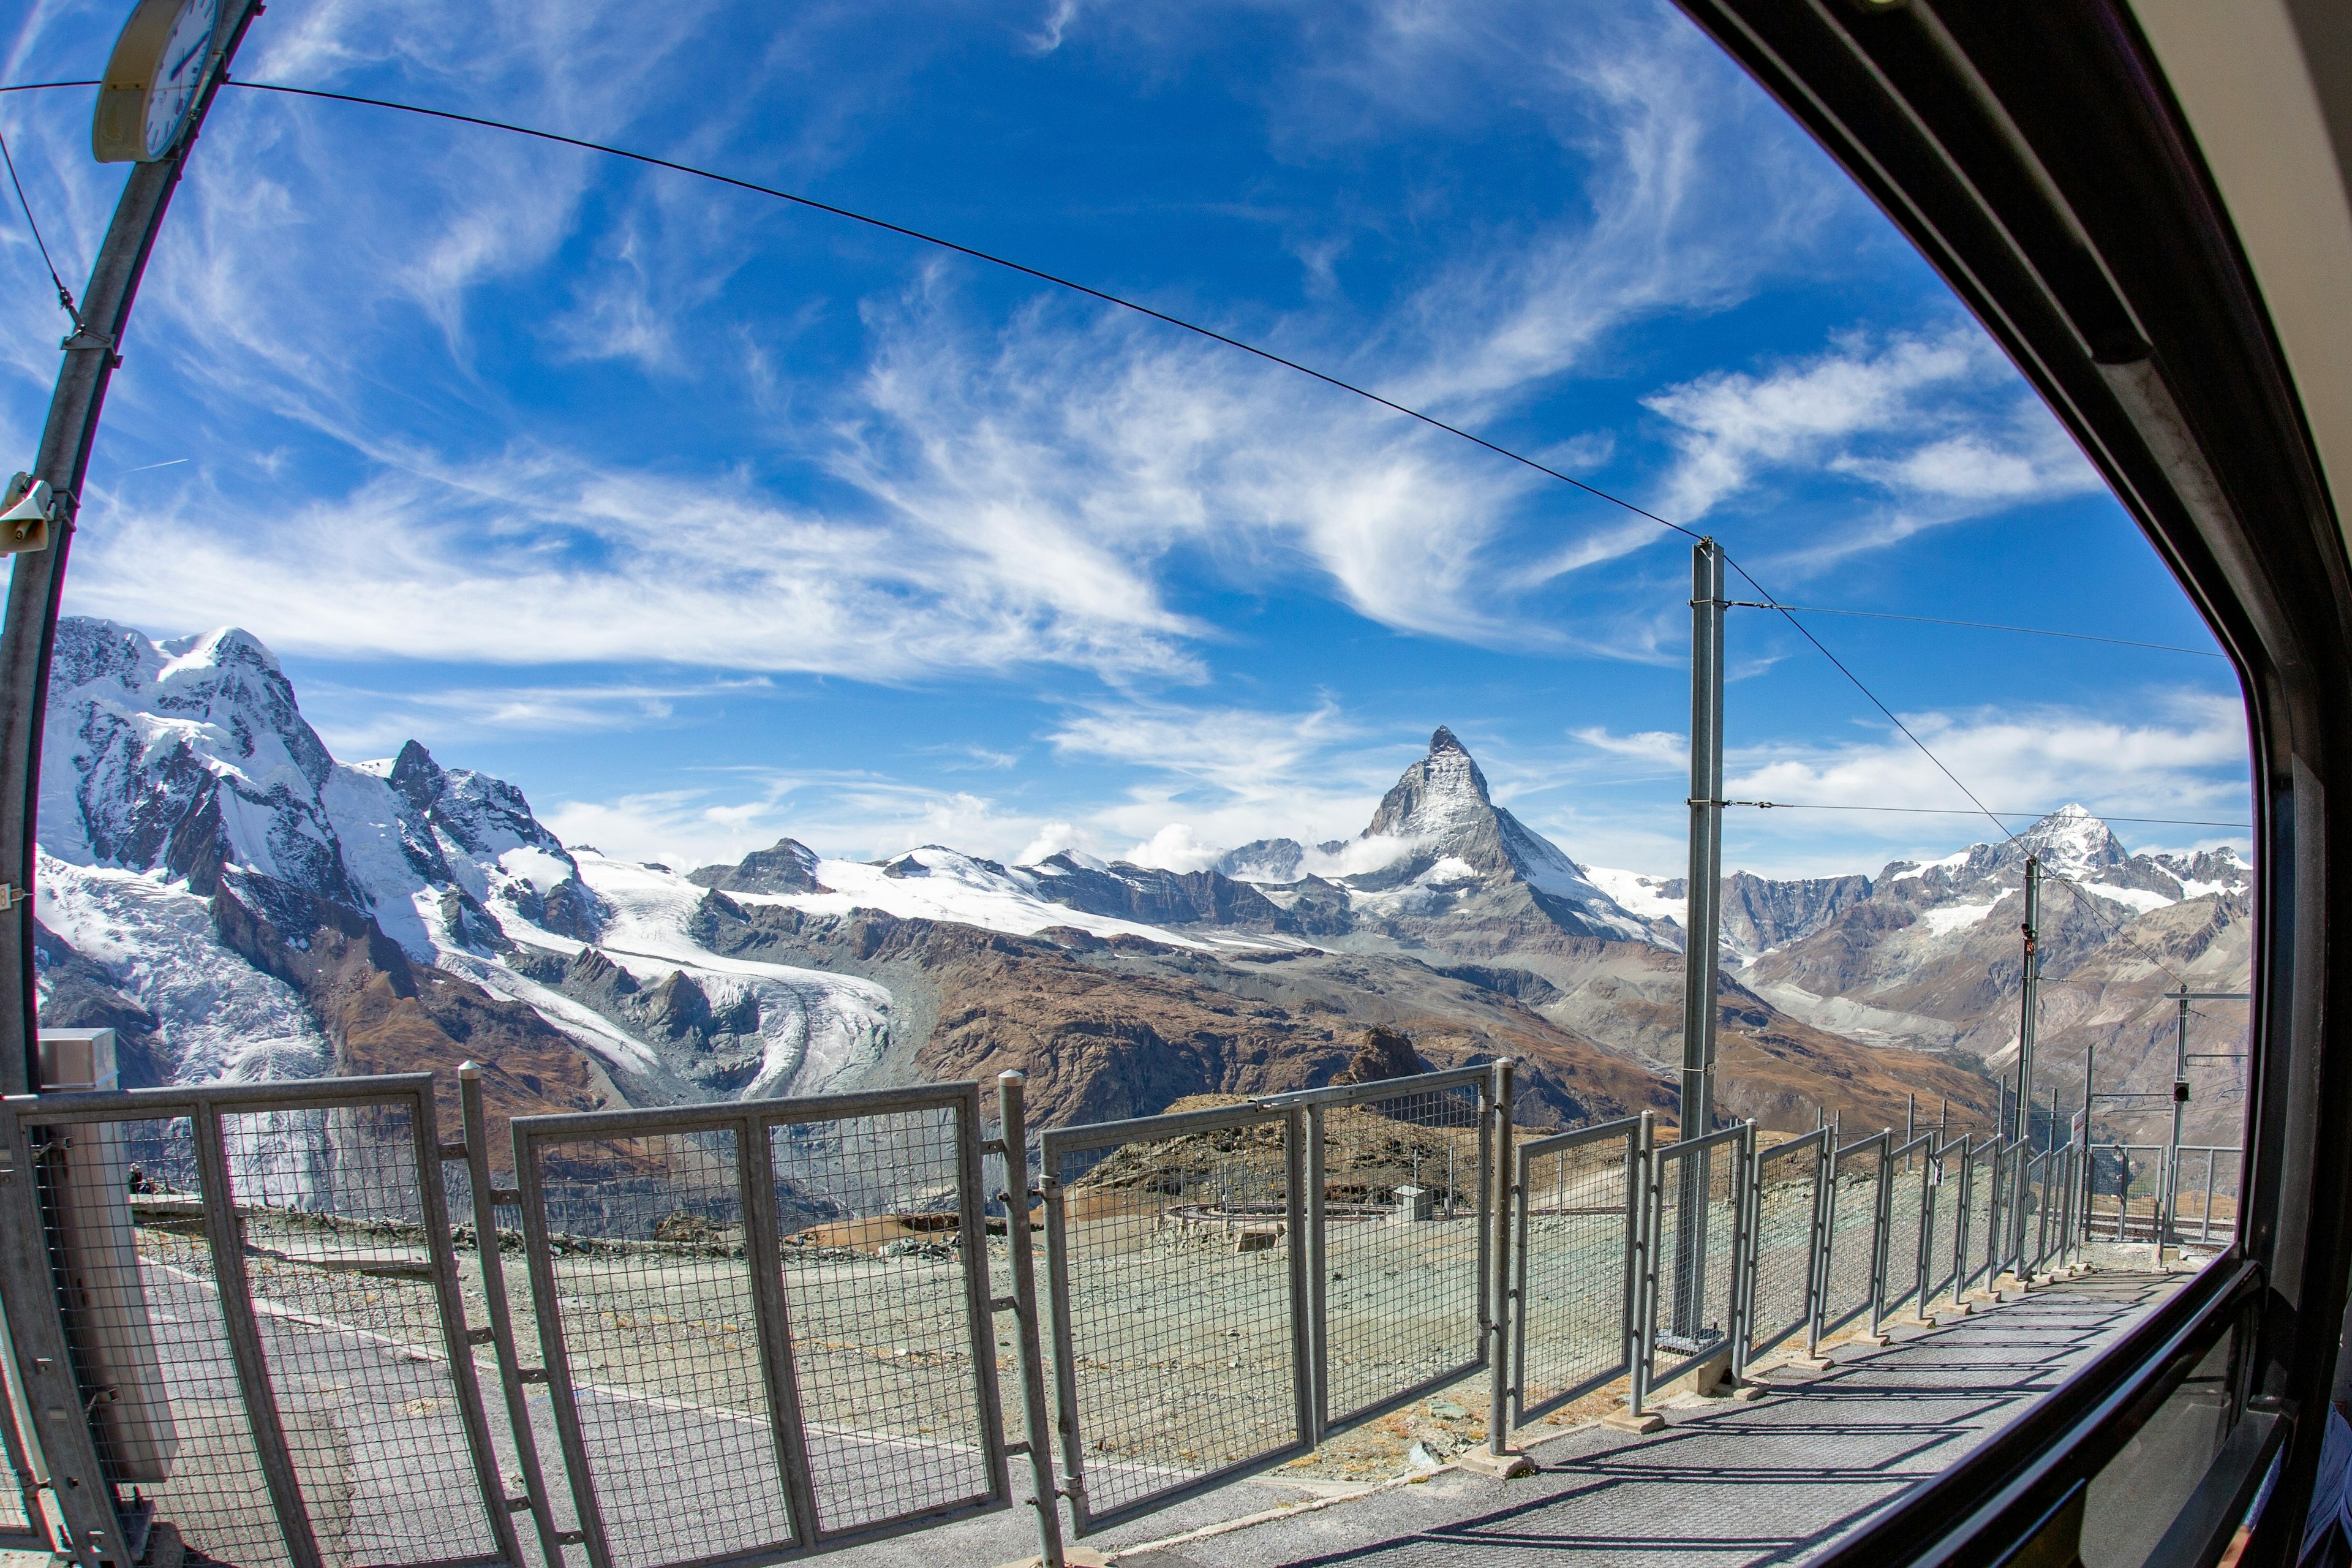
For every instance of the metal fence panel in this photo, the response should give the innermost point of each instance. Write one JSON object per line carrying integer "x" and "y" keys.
{"x": 1980, "y": 1226}
{"x": 1398, "y": 1200}
{"x": 1579, "y": 1220}
{"x": 642, "y": 1286}
{"x": 2034, "y": 1192}
{"x": 2208, "y": 1200}
{"x": 2127, "y": 1191}
{"x": 259, "y": 1292}
{"x": 1784, "y": 1215}
{"x": 1947, "y": 1214}
{"x": 1903, "y": 1258}
{"x": 767, "y": 1326}
{"x": 1855, "y": 1230}
{"x": 1697, "y": 1202}
{"x": 1180, "y": 1304}
{"x": 882, "y": 1291}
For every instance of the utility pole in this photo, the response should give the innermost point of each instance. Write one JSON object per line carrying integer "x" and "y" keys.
{"x": 2181, "y": 1095}
{"x": 1704, "y": 910}
{"x": 91, "y": 355}
{"x": 1702, "y": 920}
{"x": 2029, "y": 1000}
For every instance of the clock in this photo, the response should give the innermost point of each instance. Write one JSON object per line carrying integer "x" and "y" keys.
{"x": 153, "y": 80}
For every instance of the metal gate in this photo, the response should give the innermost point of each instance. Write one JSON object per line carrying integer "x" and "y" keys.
{"x": 766, "y": 1326}
{"x": 1180, "y": 1351}
{"x": 1399, "y": 1230}
{"x": 1784, "y": 1233}
{"x": 1854, "y": 1232}
{"x": 1577, "y": 1275}
{"x": 1941, "y": 1228}
{"x": 1903, "y": 1267}
{"x": 252, "y": 1292}
{"x": 1691, "y": 1278}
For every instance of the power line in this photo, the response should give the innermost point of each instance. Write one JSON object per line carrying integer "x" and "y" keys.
{"x": 1955, "y": 810}
{"x": 977, "y": 255}
{"x": 1993, "y": 627}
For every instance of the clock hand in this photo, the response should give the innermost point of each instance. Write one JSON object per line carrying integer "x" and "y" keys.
{"x": 192, "y": 49}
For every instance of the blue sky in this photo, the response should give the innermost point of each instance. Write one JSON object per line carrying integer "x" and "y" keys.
{"x": 706, "y": 519}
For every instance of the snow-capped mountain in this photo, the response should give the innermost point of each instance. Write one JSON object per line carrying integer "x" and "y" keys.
{"x": 197, "y": 836}
{"x": 239, "y": 903}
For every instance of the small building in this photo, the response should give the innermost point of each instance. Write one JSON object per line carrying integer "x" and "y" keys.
{"x": 1414, "y": 1205}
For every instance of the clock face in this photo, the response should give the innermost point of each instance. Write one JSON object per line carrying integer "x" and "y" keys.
{"x": 179, "y": 71}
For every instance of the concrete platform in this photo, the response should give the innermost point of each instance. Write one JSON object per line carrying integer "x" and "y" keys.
{"x": 1728, "y": 1481}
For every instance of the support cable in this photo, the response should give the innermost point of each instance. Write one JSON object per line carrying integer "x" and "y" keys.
{"x": 65, "y": 295}
{"x": 977, "y": 255}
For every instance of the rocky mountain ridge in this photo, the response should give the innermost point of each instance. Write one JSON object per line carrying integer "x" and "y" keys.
{"x": 240, "y": 904}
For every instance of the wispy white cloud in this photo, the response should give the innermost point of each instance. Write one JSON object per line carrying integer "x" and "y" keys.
{"x": 2186, "y": 762}
{"x": 357, "y": 721}
{"x": 1937, "y": 424}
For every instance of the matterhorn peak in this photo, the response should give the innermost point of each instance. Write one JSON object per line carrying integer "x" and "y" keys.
{"x": 1444, "y": 741}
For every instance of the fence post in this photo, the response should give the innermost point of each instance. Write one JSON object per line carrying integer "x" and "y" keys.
{"x": 1498, "y": 1404}
{"x": 1817, "y": 1277}
{"x": 1012, "y": 1089}
{"x": 1318, "y": 1372}
{"x": 82, "y": 1498}
{"x": 755, "y": 1179}
{"x": 1746, "y": 1221}
{"x": 489, "y": 1249}
{"x": 1882, "y": 1225}
{"x": 1645, "y": 1228}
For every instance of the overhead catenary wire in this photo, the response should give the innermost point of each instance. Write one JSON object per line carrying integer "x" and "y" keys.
{"x": 1995, "y": 627}
{"x": 977, "y": 255}
{"x": 1956, "y": 811}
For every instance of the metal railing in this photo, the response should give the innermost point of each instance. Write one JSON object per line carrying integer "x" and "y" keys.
{"x": 1691, "y": 1281}
{"x": 1181, "y": 1303}
{"x": 1783, "y": 1255}
{"x": 1853, "y": 1235}
{"x": 1581, "y": 1229}
{"x": 744, "y": 1333}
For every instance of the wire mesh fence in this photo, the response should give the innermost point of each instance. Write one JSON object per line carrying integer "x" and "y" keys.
{"x": 769, "y": 1329}
{"x": 1850, "y": 1270}
{"x": 1784, "y": 1210}
{"x": 2125, "y": 1192}
{"x": 1696, "y": 1201}
{"x": 2205, "y": 1202}
{"x": 1941, "y": 1229}
{"x": 876, "y": 1287}
{"x": 1579, "y": 1215}
{"x": 257, "y": 1292}
{"x": 767, "y": 1326}
{"x": 1179, "y": 1295}
{"x": 1399, "y": 1192}
{"x": 1905, "y": 1253}
{"x": 1978, "y": 1226}
{"x": 346, "y": 1295}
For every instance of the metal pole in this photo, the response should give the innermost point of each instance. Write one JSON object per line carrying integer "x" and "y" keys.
{"x": 2167, "y": 1224}
{"x": 30, "y": 632}
{"x": 2028, "y": 1005}
{"x": 1499, "y": 1410}
{"x": 1703, "y": 910}
{"x": 1703, "y": 922}
{"x": 489, "y": 1251}
{"x": 1011, "y": 1088}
